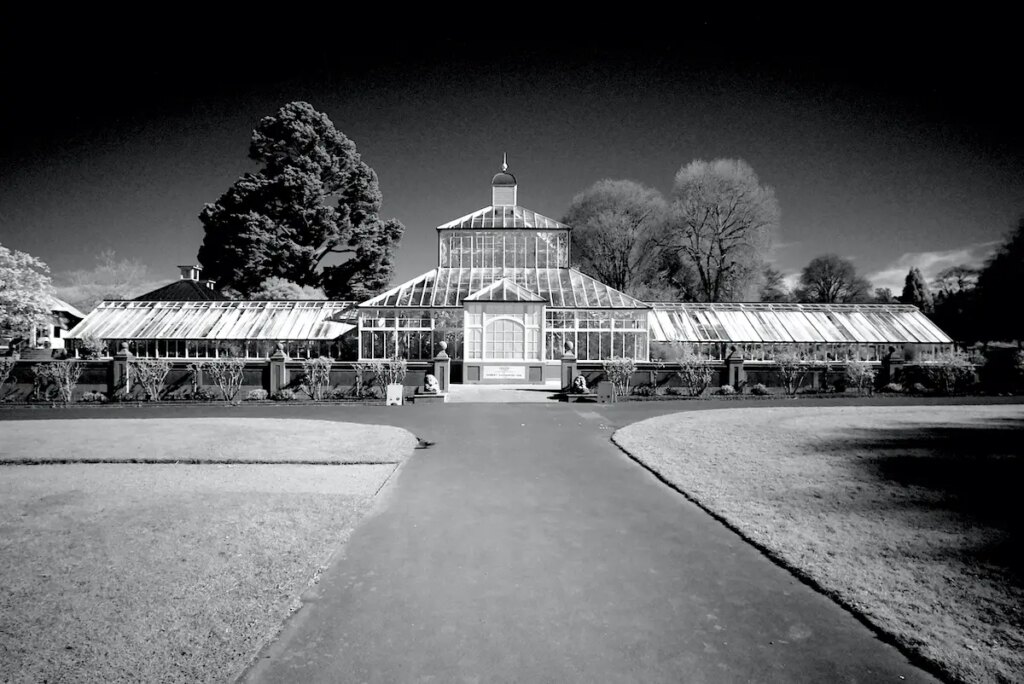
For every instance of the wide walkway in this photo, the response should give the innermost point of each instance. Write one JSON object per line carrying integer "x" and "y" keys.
{"x": 503, "y": 394}
{"x": 525, "y": 547}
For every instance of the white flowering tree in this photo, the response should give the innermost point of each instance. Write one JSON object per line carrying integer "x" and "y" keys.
{"x": 25, "y": 292}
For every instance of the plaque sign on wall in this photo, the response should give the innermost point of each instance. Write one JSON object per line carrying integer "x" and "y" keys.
{"x": 504, "y": 372}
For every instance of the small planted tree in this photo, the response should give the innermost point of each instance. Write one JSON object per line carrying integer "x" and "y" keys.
{"x": 361, "y": 369}
{"x": 619, "y": 371}
{"x": 62, "y": 376}
{"x": 150, "y": 373}
{"x": 228, "y": 374}
{"x": 860, "y": 375}
{"x": 949, "y": 373}
{"x": 316, "y": 377}
{"x": 694, "y": 372}
{"x": 792, "y": 370}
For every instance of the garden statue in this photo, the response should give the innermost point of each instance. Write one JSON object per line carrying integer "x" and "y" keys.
{"x": 579, "y": 385}
{"x": 430, "y": 385}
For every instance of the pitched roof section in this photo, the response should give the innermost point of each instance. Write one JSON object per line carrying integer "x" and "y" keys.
{"x": 504, "y": 217}
{"x": 504, "y": 290}
{"x": 771, "y": 322}
{"x": 231, "y": 320}
{"x": 184, "y": 290}
{"x": 564, "y": 288}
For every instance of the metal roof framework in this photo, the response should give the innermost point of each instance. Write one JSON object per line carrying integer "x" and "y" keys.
{"x": 449, "y": 287}
{"x": 785, "y": 322}
{"x": 217, "y": 320}
{"x": 513, "y": 216}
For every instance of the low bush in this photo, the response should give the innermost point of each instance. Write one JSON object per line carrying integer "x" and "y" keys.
{"x": 619, "y": 370}
{"x": 338, "y": 393}
{"x": 726, "y": 391}
{"x": 646, "y": 391}
{"x": 948, "y": 373}
{"x": 284, "y": 395}
{"x": 860, "y": 375}
{"x": 94, "y": 398}
{"x": 918, "y": 388}
{"x": 1003, "y": 370}
{"x": 257, "y": 395}
{"x": 892, "y": 388}
{"x": 759, "y": 390}
{"x": 678, "y": 391}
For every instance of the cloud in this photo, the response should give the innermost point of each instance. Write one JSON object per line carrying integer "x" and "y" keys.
{"x": 931, "y": 264}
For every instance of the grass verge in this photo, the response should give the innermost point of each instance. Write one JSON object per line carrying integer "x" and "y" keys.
{"x": 909, "y": 516}
{"x": 201, "y": 440}
{"x": 162, "y": 572}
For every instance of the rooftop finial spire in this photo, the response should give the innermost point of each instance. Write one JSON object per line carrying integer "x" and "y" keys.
{"x": 504, "y": 162}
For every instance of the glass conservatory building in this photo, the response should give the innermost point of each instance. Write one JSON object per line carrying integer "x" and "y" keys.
{"x": 505, "y": 300}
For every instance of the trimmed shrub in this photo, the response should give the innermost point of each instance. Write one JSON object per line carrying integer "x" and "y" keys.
{"x": 90, "y": 347}
{"x": 759, "y": 390}
{"x": 284, "y": 395}
{"x": 892, "y": 388}
{"x": 94, "y": 398}
{"x": 918, "y": 388}
{"x": 726, "y": 391}
{"x": 257, "y": 395}
{"x": 678, "y": 391}
{"x": 646, "y": 391}
{"x": 949, "y": 373}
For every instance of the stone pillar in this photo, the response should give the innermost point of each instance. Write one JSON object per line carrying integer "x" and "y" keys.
{"x": 569, "y": 367}
{"x": 442, "y": 367}
{"x": 734, "y": 369}
{"x": 120, "y": 378}
{"x": 278, "y": 369}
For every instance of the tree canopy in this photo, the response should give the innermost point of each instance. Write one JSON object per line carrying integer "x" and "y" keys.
{"x": 1000, "y": 285}
{"x": 916, "y": 292}
{"x": 722, "y": 222}
{"x": 25, "y": 291}
{"x": 830, "y": 279}
{"x": 111, "y": 278}
{"x": 615, "y": 224}
{"x": 773, "y": 286}
{"x": 314, "y": 197}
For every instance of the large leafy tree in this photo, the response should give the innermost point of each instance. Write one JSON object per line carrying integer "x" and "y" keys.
{"x": 615, "y": 224}
{"x": 1000, "y": 286}
{"x": 916, "y": 292}
{"x": 830, "y": 278}
{"x": 722, "y": 223}
{"x": 313, "y": 198}
{"x": 25, "y": 292}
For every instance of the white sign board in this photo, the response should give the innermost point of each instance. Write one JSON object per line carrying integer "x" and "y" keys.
{"x": 504, "y": 373}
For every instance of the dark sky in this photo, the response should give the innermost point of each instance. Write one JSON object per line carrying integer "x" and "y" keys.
{"x": 891, "y": 148}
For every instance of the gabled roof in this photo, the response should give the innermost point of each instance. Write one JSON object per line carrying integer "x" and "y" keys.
{"x": 184, "y": 290}
{"x": 230, "y": 320}
{"x": 504, "y": 290}
{"x": 564, "y": 288}
{"x": 59, "y": 305}
{"x": 787, "y": 322}
{"x": 504, "y": 217}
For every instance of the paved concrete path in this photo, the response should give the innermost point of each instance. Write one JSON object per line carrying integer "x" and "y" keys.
{"x": 525, "y": 547}
{"x": 504, "y": 394}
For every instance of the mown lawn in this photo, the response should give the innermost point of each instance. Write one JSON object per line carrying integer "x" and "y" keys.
{"x": 910, "y": 516}
{"x": 201, "y": 440}
{"x": 163, "y": 572}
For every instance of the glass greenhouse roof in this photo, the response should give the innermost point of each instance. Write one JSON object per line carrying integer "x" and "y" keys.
{"x": 776, "y": 322}
{"x": 504, "y": 217}
{"x": 560, "y": 287}
{"x": 214, "y": 320}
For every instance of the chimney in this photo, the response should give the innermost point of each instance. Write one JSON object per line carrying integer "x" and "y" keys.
{"x": 211, "y": 284}
{"x": 189, "y": 272}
